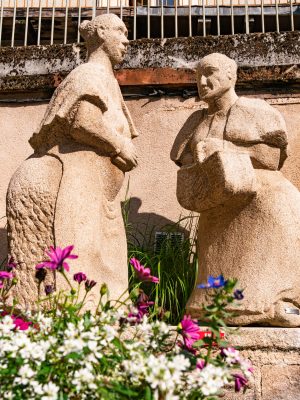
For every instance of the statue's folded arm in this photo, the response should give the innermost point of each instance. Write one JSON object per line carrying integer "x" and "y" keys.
{"x": 88, "y": 127}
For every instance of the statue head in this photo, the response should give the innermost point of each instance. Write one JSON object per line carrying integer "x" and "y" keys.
{"x": 216, "y": 75}
{"x": 107, "y": 32}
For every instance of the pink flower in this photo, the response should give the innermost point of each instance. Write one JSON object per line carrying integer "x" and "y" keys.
{"x": 239, "y": 381}
{"x": 5, "y": 275}
{"x": 143, "y": 273}
{"x": 190, "y": 332}
{"x": 57, "y": 258}
{"x": 232, "y": 356}
{"x": 200, "y": 364}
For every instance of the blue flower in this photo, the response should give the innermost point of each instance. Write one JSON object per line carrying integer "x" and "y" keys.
{"x": 212, "y": 282}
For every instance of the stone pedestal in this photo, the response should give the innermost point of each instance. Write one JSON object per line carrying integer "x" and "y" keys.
{"x": 275, "y": 355}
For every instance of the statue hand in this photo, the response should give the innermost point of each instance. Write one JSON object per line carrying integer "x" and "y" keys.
{"x": 206, "y": 148}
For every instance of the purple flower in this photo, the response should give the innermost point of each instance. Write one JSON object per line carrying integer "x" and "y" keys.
{"x": 89, "y": 284}
{"x": 239, "y": 381}
{"x": 79, "y": 277}
{"x": 143, "y": 273}
{"x": 190, "y": 332}
{"x": 11, "y": 264}
{"x": 49, "y": 289}
{"x": 238, "y": 294}
{"x": 212, "y": 282}
{"x": 57, "y": 258}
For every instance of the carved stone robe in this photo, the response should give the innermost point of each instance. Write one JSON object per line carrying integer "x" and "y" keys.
{"x": 249, "y": 226}
{"x": 67, "y": 192}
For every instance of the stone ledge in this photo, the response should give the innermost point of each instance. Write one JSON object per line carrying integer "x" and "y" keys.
{"x": 258, "y": 338}
{"x": 275, "y": 355}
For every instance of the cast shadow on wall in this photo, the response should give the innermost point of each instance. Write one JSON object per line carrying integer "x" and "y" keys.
{"x": 143, "y": 228}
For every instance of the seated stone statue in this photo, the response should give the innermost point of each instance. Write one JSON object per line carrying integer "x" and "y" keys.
{"x": 67, "y": 192}
{"x": 230, "y": 155}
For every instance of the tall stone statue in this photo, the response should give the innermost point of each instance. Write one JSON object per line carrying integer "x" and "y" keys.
{"x": 230, "y": 155}
{"x": 67, "y": 192}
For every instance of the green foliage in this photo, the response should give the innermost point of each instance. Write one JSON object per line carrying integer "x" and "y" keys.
{"x": 174, "y": 261}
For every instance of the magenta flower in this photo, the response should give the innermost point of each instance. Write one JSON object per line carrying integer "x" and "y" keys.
{"x": 21, "y": 324}
{"x": 79, "y": 277}
{"x": 142, "y": 273}
{"x": 57, "y": 258}
{"x": 190, "y": 332}
{"x": 239, "y": 381}
{"x": 6, "y": 275}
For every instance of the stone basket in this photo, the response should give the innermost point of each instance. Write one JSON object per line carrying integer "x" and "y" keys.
{"x": 225, "y": 175}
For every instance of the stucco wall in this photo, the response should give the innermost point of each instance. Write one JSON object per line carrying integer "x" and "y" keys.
{"x": 152, "y": 185}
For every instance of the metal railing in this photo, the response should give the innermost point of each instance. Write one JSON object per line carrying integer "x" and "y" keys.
{"x": 25, "y": 22}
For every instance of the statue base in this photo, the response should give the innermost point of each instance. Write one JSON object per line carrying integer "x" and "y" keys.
{"x": 275, "y": 355}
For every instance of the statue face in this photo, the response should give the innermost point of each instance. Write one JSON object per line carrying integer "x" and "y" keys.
{"x": 213, "y": 80}
{"x": 115, "y": 41}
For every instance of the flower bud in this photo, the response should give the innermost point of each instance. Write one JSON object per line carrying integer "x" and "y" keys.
{"x": 103, "y": 289}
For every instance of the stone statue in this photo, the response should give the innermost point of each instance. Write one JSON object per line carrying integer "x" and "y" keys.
{"x": 67, "y": 192}
{"x": 230, "y": 155}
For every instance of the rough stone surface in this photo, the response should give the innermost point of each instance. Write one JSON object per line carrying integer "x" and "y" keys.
{"x": 230, "y": 156}
{"x": 67, "y": 192}
{"x": 280, "y": 382}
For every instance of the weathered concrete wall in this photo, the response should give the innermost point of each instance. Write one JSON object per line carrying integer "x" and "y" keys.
{"x": 153, "y": 184}
{"x": 268, "y": 57}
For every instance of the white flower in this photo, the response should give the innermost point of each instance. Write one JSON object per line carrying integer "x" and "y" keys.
{"x": 25, "y": 374}
{"x": 6, "y": 325}
{"x": 232, "y": 356}
{"x": 50, "y": 391}
{"x": 213, "y": 379}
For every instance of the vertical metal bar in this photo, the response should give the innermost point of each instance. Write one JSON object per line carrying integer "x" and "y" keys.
{"x": 277, "y": 16}
{"x": 39, "y": 23}
{"x": 26, "y": 23}
{"x": 262, "y": 16}
{"x": 14, "y": 24}
{"x": 247, "y": 17}
{"x": 162, "y": 28}
{"x": 203, "y": 18}
{"x": 232, "y": 17}
{"x": 107, "y": 6}
{"x": 52, "y": 22}
{"x": 66, "y": 21}
{"x": 121, "y": 9}
{"x": 292, "y": 15}
{"x": 94, "y": 9}
{"x": 218, "y": 19}
{"x": 134, "y": 20}
{"x": 190, "y": 18}
{"x": 79, "y": 22}
{"x": 1, "y": 20}
{"x": 148, "y": 20}
{"x": 176, "y": 18}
